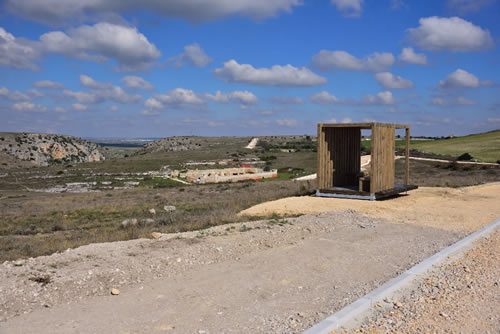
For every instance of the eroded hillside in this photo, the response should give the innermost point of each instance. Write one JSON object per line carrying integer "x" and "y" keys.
{"x": 45, "y": 149}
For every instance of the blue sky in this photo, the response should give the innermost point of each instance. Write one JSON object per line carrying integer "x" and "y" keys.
{"x": 153, "y": 68}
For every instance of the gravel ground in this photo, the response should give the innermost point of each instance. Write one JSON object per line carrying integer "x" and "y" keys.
{"x": 279, "y": 276}
{"x": 462, "y": 296}
{"x": 456, "y": 209}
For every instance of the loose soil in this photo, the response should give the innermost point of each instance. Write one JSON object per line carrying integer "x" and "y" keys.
{"x": 456, "y": 209}
{"x": 458, "y": 297}
{"x": 277, "y": 276}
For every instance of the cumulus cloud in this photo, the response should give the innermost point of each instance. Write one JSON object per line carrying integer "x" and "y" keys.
{"x": 409, "y": 56}
{"x": 153, "y": 103}
{"x": 17, "y": 52}
{"x": 452, "y": 102}
{"x": 100, "y": 92}
{"x": 56, "y": 11}
{"x": 349, "y": 8}
{"x": 460, "y": 79}
{"x": 243, "y": 97}
{"x": 323, "y": 98}
{"x": 35, "y": 93}
{"x": 13, "y": 96}
{"x": 132, "y": 81}
{"x": 391, "y": 81}
{"x": 285, "y": 76}
{"x": 179, "y": 96}
{"x": 286, "y": 100}
{"x": 28, "y": 106}
{"x": 454, "y": 34}
{"x": 79, "y": 107}
{"x": 329, "y": 60}
{"x": 59, "y": 109}
{"x": 150, "y": 112}
{"x": 381, "y": 98}
{"x": 469, "y": 6}
{"x": 101, "y": 42}
{"x": 193, "y": 55}
{"x": 286, "y": 122}
{"x": 48, "y": 84}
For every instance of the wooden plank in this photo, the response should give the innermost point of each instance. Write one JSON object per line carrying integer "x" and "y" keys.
{"x": 407, "y": 156}
{"x": 374, "y": 157}
{"x": 363, "y": 125}
{"x": 320, "y": 158}
{"x": 383, "y": 146}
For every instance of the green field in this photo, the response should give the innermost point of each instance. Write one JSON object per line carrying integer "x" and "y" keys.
{"x": 483, "y": 147}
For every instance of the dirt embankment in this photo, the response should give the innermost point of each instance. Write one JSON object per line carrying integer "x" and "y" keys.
{"x": 465, "y": 209}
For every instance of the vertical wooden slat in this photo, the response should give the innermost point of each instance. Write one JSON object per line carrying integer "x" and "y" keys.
{"x": 320, "y": 160}
{"x": 373, "y": 164}
{"x": 407, "y": 156}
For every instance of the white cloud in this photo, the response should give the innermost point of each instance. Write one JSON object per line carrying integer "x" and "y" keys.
{"x": 56, "y": 11}
{"x": 460, "y": 79}
{"x": 350, "y": 8}
{"x": 150, "y": 112}
{"x": 193, "y": 55}
{"x": 285, "y": 76}
{"x": 244, "y": 97}
{"x": 329, "y": 60}
{"x": 381, "y": 98}
{"x": 79, "y": 106}
{"x": 347, "y": 120}
{"x": 409, "y": 56}
{"x": 103, "y": 41}
{"x": 132, "y": 81}
{"x": 451, "y": 102}
{"x": 114, "y": 108}
{"x": 13, "y": 96}
{"x": 89, "y": 82}
{"x": 153, "y": 103}
{"x": 467, "y": 6}
{"x": 48, "y": 84}
{"x": 100, "y": 92}
{"x": 286, "y": 100}
{"x": 286, "y": 122}
{"x": 17, "y": 52}
{"x": 28, "y": 106}
{"x": 454, "y": 34}
{"x": 323, "y": 98}
{"x": 179, "y": 96}
{"x": 391, "y": 81}
{"x": 331, "y": 120}
{"x": 59, "y": 109}
{"x": 35, "y": 93}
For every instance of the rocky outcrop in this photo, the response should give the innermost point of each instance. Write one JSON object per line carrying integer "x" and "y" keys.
{"x": 171, "y": 144}
{"x": 46, "y": 149}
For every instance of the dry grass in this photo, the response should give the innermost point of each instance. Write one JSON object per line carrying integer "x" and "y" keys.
{"x": 41, "y": 224}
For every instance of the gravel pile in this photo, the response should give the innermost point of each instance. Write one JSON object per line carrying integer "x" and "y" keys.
{"x": 458, "y": 297}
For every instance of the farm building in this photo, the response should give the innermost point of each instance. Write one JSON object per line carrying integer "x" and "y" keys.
{"x": 339, "y": 167}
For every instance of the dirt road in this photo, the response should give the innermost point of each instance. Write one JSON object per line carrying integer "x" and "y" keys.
{"x": 275, "y": 277}
{"x": 457, "y": 209}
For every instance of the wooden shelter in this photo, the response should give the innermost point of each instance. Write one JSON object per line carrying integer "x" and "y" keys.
{"x": 339, "y": 166}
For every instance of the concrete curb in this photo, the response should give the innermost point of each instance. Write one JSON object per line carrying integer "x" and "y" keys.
{"x": 356, "y": 310}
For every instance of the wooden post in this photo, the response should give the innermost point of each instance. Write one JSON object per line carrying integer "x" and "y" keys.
{"x": 320, "y": 159}
{"x": 407, "y": 157}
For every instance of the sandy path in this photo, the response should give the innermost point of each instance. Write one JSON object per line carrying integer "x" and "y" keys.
{"x": 270, "y": 279}
{"x": 459, "y": 209}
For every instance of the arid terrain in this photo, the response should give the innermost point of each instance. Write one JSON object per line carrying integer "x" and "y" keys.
{"x": 255, "y": 257}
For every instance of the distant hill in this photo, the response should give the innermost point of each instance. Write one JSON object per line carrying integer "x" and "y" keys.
{"x": 482, "y": 146}
{"x": 171, "y": 144}
{"x": 45, "y": 149}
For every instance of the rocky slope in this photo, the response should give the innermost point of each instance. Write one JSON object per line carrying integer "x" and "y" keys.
{"x": 45, "y": 149}
{"x": 171, "y": 144}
